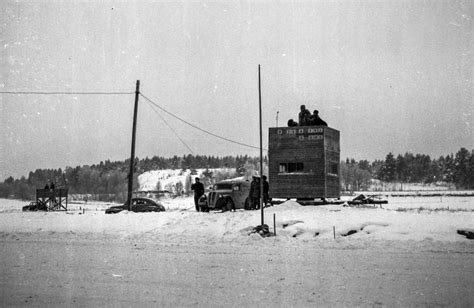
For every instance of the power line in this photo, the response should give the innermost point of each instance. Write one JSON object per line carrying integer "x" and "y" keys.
{"x": 167, "y": 124}
{"x": 130, "y": 93}
{"x": 196, "y": 127}
{"x": 64, "y": 93}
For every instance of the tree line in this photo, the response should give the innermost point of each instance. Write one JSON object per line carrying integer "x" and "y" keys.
{"x": 110, "y": 178}
{"x": 457, "y": 170}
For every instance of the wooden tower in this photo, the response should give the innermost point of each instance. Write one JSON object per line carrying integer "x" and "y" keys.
{"x": 52, "y": 199}
{"x": 304, "y": 162}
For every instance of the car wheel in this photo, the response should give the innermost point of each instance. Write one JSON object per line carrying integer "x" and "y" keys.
{"x": 229, "y": 205}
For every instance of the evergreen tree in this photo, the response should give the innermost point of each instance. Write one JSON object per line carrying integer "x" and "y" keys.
{"x": 461, "y": 168}
{"x": 449, "y": 168}
{"x": 470, "y": 172}
{"x": 388, "y": 169}
{"x": 400, "y": 168}
{"x": 364, "y": 165}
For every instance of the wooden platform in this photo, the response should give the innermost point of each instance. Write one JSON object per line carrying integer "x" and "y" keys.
{"x": 52, "y": 199}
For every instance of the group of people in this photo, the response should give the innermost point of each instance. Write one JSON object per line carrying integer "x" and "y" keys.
{"x": 254, "y": 193}
{"x": 305, "y": 118}
{"x": 50, "y": 186}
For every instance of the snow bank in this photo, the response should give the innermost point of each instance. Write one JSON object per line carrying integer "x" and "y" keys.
{"x": 401, "y": 221}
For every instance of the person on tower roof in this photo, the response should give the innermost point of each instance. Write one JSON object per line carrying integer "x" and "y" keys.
{"x": 316, "y": 120}
{"x": 304, "y": 116}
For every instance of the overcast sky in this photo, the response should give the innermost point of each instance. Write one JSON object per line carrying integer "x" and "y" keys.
{"x": 391, "y": 76}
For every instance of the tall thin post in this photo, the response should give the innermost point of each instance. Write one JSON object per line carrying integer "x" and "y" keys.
{"x": 261, "y": 144}
{"x": 274, "y": 225}
{"x": 132, "y": 155}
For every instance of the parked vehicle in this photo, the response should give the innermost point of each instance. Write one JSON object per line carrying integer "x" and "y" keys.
{"x": 141, "y": 204}
{"x": 372, "y": 199}
{"x": 226, "y": 195}
{"x": 33, "y": 207}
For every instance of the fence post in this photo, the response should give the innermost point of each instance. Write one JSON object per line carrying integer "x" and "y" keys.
{"x": 274, "y": 225}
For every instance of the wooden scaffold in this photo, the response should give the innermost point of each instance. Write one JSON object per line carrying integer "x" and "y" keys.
{"x": 52, "y": 199}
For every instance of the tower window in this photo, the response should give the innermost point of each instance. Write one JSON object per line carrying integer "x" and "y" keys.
{"x": 291, "y": 167}
{"x": 333, "y": 169}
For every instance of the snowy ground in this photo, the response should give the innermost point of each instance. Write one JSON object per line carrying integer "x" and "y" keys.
{"x": 408, "y": 218}
{"x": 411, "y": 241}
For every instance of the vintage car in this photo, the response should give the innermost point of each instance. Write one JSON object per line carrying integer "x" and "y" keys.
{"x": 33, "y": 206}
{"x": 226, "y": 195}
{"x": 141, "y": 204}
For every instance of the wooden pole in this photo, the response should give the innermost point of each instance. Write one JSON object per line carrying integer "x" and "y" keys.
{"x": 132, "y": 154}
{"x": 274, "y": 225}
{"x": 261, "y": 144}
{"x": 334, "y": 231}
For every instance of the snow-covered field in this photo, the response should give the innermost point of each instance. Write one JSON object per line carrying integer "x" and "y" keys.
{"x": 405, "y": 253}
{"x": 407, "y": 218}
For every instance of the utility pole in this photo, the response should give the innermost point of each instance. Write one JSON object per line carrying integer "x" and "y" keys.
{"x": 261, "y": 144}
{"x": 132, "y": 155}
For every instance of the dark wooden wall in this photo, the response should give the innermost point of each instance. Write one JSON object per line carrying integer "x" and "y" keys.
{"x": 317, "y": 147}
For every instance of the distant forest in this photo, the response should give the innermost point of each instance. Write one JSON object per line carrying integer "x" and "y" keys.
{"x": 111, "y": 177}
{"x": 456, "y": 170}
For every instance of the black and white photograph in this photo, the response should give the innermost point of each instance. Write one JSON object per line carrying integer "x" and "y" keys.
{"x": 289, "y": 153}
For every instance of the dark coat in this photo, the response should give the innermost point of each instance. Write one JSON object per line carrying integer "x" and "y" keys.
{"x": 254, "y": 189}
{"x": 316, "y": 120}
{"x": 266, "y": 188}
{"x": 292, "y": 123}
{"x": 198, "y": 188}
{"x": 304, "y": 117}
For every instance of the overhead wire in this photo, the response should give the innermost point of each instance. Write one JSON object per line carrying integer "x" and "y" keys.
{"x": 65, "y": 93}
{"x": 150, "y": 101}
{"x": 171, "y": 128}
{"x": 196, "y": 127}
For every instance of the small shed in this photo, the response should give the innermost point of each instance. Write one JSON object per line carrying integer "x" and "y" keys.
{"x": 303, "y": 162}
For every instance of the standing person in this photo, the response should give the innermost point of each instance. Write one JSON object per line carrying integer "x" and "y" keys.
{"x": 252, "y": 187}
{"x": 266, "y": 196}
{"x": 316, "y": 120}
{"x": 304, "y": 116}
{"x": 198, "y": 188}
{"x": 254, "y": 193}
